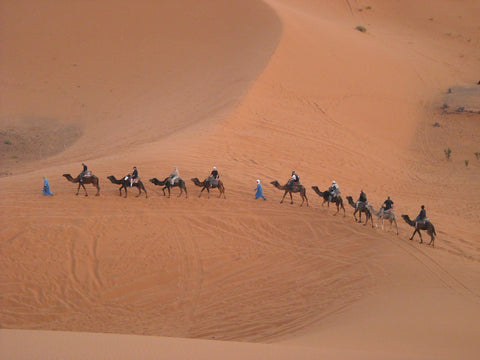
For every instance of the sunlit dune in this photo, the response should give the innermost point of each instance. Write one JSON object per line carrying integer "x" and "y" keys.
{"x": 379, "y": 96}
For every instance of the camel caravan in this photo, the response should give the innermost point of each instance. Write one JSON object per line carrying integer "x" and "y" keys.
{"x": 293, "y": 186}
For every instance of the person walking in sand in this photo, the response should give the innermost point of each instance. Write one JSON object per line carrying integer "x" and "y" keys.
{"x": 46, "y": 187}
{"x": 259, "y": 191}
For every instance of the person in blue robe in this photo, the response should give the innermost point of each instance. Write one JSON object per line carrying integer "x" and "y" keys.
{"x": 259, "y": 191}
{"x": 46, "y": 187}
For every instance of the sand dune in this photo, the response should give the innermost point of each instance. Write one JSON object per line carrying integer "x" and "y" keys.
{"x": 256, "y": 89}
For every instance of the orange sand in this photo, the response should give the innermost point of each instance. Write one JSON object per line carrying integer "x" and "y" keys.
{"x": 256, "y": 89}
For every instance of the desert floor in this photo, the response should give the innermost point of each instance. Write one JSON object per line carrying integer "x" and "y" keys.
{"x": 257, "y": 89}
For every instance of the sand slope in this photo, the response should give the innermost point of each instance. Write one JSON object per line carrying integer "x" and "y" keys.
{"x": 256, "y": 89}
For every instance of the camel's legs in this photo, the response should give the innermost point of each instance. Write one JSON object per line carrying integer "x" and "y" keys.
{"x": 420, "y": 234}
{"x": 202, "y": 191}
{"x": 432, "y": 241}
{"x": 78, "y": 189}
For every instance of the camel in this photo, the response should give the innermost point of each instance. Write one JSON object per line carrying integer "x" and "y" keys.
{"x": 291, "y": 189}
{"x": 362, "y": 208}
{"x": 91, "y": 179}
{"x": 325, "y": 195}
{"x": 384, "y": 215}
{"x": 125, "y": 182}
{"x": 206, "y": 185}
{"x": 427, "y": 226}
{"x": 167, "y": 185}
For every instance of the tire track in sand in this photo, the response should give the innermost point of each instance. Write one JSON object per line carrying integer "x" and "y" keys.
{"x": 445, "y": 277}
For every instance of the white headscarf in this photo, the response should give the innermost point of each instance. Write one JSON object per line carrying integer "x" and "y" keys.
{"x": 258, "y": 181}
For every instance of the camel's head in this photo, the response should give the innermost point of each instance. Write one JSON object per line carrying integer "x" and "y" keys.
{"x": 274, "y": 182}
{"x": 154, "y": 181}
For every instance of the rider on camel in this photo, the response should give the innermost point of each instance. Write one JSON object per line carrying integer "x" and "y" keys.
{"x": 294, "y": 179}
{"x": 84, "y": 172}
{"x": 387, "y": 205}
{"x": 133, "y": 176}
{"x": 421, "y": 218}
{"x": 213, "y": 178}
{"x": 334, "y": 190}
{"x": 174, "y": 176}
{"x": 361, "y": 199}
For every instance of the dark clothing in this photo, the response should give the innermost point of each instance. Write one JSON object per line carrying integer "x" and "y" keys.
{"x": 213, "y": 178}
{"x": 135, "y": 174}
{"x": 387, "y": 205}
{"x": 362, "y": 197}
{"x": 84, "y": 172}
{"x": 422, "y": 215}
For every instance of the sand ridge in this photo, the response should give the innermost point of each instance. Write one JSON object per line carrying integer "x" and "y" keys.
{"x": 267, "y": 88}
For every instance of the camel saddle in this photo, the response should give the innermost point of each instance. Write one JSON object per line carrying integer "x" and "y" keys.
{"x": 214, "y": 181}
{"x": 87, "y": 174}
{"x": 129, "y": 176}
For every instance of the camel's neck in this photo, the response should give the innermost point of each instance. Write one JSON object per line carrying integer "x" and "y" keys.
{"x": 74, "y": 180}
{"x": 408, "y": 221}
{"x": 198, "y": 183}
{"x": 278, "y": 186}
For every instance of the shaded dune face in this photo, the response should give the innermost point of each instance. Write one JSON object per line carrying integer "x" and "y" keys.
{"x": 111, "y": 67}
{"x": 193, "y": 84}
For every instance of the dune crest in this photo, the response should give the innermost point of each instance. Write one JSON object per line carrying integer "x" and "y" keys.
{"x": 256, "y": 89}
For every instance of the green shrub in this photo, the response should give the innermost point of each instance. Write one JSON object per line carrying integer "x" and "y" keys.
{"x": 448, "y": 153}
{"x": 7, "y": 142}
{"x": 361, "y": 28}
